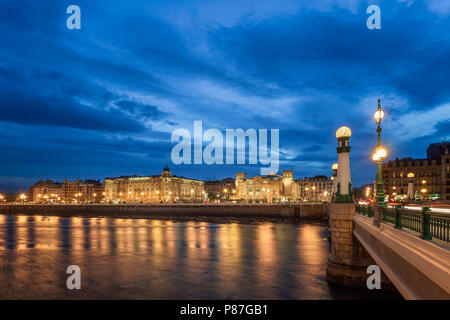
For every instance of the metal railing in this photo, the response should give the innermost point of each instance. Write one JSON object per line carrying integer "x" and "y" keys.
{"x": 428, "y": 224}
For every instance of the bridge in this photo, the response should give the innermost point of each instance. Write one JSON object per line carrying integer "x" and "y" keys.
{"x": 411, "y": 247}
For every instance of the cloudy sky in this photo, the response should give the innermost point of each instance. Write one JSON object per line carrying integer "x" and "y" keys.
{"x": 104, "y": 100}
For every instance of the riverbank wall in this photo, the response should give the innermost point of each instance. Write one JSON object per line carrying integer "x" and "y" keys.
{"x": 313, "y": 211}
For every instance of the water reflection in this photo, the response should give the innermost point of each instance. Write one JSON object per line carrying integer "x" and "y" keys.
{"x": 159, "y": 259}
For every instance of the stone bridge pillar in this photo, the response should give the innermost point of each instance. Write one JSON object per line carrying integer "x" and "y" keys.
{"x": 348, "y": 260}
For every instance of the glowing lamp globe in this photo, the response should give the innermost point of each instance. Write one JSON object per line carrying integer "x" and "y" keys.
{"x": 382, "y": 152}
{"x": 343, "y": 132}
{"x": 410, "y": 175}
{"x": 334, "y": 166}
{"x": 378, "y": 115}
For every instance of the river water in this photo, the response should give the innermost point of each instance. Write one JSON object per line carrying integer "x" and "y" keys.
{"x": 164, "y": 259}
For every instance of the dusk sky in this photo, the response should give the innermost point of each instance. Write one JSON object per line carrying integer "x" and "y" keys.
{"x": 103, "y": 101}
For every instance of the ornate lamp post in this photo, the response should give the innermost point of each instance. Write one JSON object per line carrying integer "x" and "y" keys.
{"x": 334, "y": 167}
{"x": 410, "y": 195}
{"x": 344, "y": 192}
{"x": 378, "y": 156}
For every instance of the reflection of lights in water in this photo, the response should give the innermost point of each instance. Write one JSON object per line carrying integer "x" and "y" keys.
{"x": 197, "y": 238}
{"x": 191, "y": 236}
{"x": 266, "y": 244}
{"x": 312, "y": 249}
{"x": 149, "y": 256}
{"x": 266, "y": 254}
{"x": 170, "y": 237}
{"x": 229, "y": 256}
{"x": 157, "y": 236}
{"x": 229, "y": 240}
{"x": 203, "y": 237}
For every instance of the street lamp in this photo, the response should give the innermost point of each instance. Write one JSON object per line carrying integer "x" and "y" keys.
{"x": 23, "y": 197}
{"x": 379, "y": 155}
{"x": 410, "y": 195}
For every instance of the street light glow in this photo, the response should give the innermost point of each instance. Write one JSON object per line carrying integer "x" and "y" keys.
{"x": 379, "y": 154}
{"x": 378, "y": 115}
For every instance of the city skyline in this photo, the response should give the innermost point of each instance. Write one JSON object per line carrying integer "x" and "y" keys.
{"x": 102, "y": 101}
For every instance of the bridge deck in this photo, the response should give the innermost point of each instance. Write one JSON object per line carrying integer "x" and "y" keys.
{"x": 419, "y": 269}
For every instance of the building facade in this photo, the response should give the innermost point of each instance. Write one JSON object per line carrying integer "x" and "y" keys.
{"x": 154, "y": 189}
{"x": 220, "y": 190}
{"x": 82, "y": 191}
{"x": 45, "y": 192}
{"x": 431, "y": 175}
{"x": 266, "y": 189}
{"x": 318, "y": 188}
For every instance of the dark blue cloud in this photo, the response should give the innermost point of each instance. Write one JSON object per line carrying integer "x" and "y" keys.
{"x": 56, "y": 111}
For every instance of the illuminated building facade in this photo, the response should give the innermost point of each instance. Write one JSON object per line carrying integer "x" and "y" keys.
{"x": 154, "y": 189}
{"x": 220, "y": 190}
{"x": 318, "y": 188}
{"x": 81, "y": 191}
{"x": 266, "y": 189}
{"x": 45, "y": 192}
{"x": 430, "y": 179}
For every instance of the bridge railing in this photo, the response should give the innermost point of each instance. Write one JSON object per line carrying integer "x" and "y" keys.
{"x": 430, "y": 225}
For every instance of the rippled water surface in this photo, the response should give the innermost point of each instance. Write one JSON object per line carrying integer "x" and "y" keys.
{"x": 162, "y": 259}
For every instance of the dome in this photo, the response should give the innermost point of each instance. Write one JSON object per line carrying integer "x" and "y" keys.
{"x": 334, "y": 166}
{"x": 343, "y": 132}
{"x": 166, "y": 172}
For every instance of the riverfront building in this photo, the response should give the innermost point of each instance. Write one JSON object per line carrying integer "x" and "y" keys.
{"x": 82, "y": 191}
{"x": 318, "y": 188}
{"x": 266, "y": 189}
{"x": 67, "y": 192}
{"x": 154, "y": 189}
{"x": 45, "y": 192}
{"x": 220, "y": 190}
{"x": 431, "y": 176}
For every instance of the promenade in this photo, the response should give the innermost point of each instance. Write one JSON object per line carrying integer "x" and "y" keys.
{"x": 293, "y": 211}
